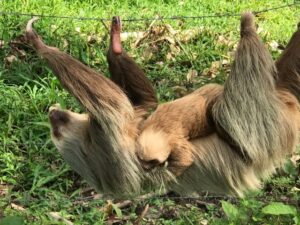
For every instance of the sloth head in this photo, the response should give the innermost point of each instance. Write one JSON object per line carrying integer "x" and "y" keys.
{"x": 110, "y": 168}
{"x": 67, "y": 127}
{"x": 153, "y": 149}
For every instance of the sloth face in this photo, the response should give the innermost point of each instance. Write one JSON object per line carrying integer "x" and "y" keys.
{"x": 67, "y": 127}
{"x": 153, "y": 149}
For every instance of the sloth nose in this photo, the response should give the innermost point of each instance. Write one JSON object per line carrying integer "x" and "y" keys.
{"x": 150, "y": 164}
{"x": 58, "y": 117}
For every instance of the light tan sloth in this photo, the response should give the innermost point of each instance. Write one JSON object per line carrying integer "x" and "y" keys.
{"x": 219, "y": 139}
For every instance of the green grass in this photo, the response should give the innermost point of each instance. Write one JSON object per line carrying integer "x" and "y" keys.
{"x": 32, "y": 173}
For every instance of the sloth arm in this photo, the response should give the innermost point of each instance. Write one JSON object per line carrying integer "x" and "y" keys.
{"x": 105, "y": 101}
{"x": 126, "y": 73}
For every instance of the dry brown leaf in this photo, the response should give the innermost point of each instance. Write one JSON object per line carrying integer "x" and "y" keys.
{"x": 58, "y": 217}
{"x": 213, "y": 70}
{"x": 124, "y": 204}
{"x": 191, "y": 75}
{"x": 259, "y": 30}
{"x": 91, "y": 39}
{"x": 160, "y": 63}
{"x": 295, "y": 159}
{"x": 204, "y": 222}
{"x": 225, "y": 62}
{"x": 274, "y": 46}
{"x": 2, "y": 43}
{"x": 295, "y": 189}
{"x": 108, "y": 208}
{"x": 225, "y": 41}
{"x": 148, "y": 53}
{"x": 4, "y": 188}
{"x": 174, "y": 49}
{"x": 17, "y": 207}
{"x": 11, "y": 59}
{"x": 142, "y": 215}
{"x": 169, "y": 56}
{"x": 180, "y": 91}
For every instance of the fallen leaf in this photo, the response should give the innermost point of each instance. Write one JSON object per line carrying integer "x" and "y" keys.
{"x": 17, "y": 207}
{"x": 58, "y": 217}
{"x": 274, "y": 45}
{"x": 225, "y": 41}
{"x": 213, "y": 70}
{"x": 295, "y": 189}
{"x": 11, "y": 59}
{"x": 2, "y": 43}
{"x": 78, "y": 29}
{"x": 180, "y": 91}
{"x": 295, "y": 159}
{"x": 191, "y": 75}
{"x": 259, "y": 30}
{"x": 147, "y": 53}
{"x": 204, "y": 222}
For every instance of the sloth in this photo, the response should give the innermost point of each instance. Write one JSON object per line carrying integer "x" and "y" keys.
{"x": 219, "y": 139}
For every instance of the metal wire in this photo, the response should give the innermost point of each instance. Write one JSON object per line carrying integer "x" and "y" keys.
{"x": 13, "y": 13}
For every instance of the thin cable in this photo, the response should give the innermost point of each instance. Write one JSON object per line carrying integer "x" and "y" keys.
{"x": 12, "y": 13}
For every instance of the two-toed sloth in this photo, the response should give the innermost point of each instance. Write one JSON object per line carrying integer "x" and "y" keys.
{"x": 219, "y": 139}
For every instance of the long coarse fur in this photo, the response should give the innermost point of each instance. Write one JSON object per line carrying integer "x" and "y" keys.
{"x": 106, "y": 140}
{"x": 250, "y": 112}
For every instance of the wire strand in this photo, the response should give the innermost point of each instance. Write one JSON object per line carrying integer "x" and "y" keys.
{"x": 12, "y": 13}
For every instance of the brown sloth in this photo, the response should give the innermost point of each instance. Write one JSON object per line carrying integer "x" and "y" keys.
{"x": 236, "y": 135}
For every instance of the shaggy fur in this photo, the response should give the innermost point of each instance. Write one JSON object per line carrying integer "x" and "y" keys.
{"x": 235, "y": 136}
{"x": 102, "y": 140}
{"x": 289, "y": 66}
{"x": 172, "y": 125}
{"x": 249, "y": 111}
{"x": 126, "y": 73}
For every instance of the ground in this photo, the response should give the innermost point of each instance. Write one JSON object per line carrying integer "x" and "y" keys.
{"x": 178, "y": 56}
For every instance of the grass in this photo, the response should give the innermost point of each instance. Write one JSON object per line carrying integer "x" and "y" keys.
{"x": 35, "y": 181}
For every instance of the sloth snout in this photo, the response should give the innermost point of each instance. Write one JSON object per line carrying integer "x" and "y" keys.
{"x": 149, "y": 164}
{"x": 58, "y": 118}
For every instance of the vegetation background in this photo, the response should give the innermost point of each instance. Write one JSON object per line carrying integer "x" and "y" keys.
{"x": 178, "y": 56}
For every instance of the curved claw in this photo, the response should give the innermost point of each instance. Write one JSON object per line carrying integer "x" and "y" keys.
{"x": 29, "y": 24}
{"x": 115, "y": 35}
{"x": 32, "y": 36}
{"x": 247, "y": 23}
{"x": 116, "y": 23}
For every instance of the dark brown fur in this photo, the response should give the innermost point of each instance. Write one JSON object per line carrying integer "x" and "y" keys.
{"x": 288, "y": 66}
{"x": 126, "y": 73}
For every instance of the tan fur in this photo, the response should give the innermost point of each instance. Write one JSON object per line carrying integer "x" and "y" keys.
{"x": 166, "y": 133}
{"x": 219, "y": 140}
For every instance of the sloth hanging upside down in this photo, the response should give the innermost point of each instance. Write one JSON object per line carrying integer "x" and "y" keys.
{"x": 219, "y": 139}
